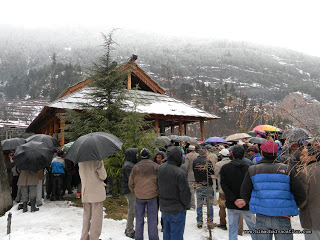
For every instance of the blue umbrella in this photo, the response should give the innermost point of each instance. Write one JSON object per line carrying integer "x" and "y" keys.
{"x": 215, "y": 140}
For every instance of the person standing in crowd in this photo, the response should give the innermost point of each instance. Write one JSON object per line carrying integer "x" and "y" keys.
{"x": 15, "y": 178}
{"x": 273, "y": 203}
{"x": 189, "y": 166}
{"x": 203, "y": 169}
{"x": 131, "y": 157}
{"x": 253, "y": 152}
{"x": 143, "y": 183}
{"x": 310, "y": 178}
{"x": 28, "y": 182}
{"x": 67, "y": 179}
{"x": 231, "y": 175}
{"x": 92, "y": 174}
{"x": 174, "y": 195}
{"x": 159, "y": 157}
{"x": 222, "y": 199}
{"x": 57, "y": 168}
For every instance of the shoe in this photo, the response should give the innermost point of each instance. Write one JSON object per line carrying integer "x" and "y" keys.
{"x": 33, "y": 205}
{"x": 240, "y": 234}
{"x": 52, "y": 198}
{"x": 25, "y": 207}
{"x": 162, "y": 229}
{"x": 223, "y": 227}
{"x": 199, "y": 225}
{"x": 20, "y": 206}
{"x": 130, "y": 235}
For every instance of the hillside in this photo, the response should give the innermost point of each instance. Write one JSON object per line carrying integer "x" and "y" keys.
{"x": 211, "y": 74}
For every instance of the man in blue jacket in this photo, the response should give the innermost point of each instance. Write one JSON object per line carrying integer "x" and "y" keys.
{"x": 273, "y": 192}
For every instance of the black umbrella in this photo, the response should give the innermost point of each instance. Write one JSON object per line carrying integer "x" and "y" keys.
{"x": 296, "y": 134}
{"x": 257, "y": 140}
{"x": 51, "y": 141}
{"x": 33, "y": 156}
{"x": 93, "y": 146}
{"x": 162, "y": 141}
{"x": 12, "y": 143}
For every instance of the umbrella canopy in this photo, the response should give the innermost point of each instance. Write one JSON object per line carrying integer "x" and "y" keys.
{"x": 12, "y": 143}
{"x": 296, "y": 134}
{"x": 51, "y": 141}
{"x": 215, "y": 140}
{"x": 93, "y": 146}
{"x": 67, "y": 146}
{"x": 33, "y": 156}
{"x": 237, "y": 136}
{"x": 185, "y": 139}
{"x": 267, "y": 128}
{"x": 162, "y": 141}
{"x": 257, "y": 140}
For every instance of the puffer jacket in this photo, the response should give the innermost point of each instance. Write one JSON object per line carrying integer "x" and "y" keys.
{"x": 131, "y": 160}
{"x": 173, "y": 189}
{"x": 272, "y": 189}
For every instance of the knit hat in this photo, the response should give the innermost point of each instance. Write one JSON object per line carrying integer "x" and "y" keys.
{"x": 192, "y": 147}
{"x": 269, "y": 147}
{"x": 145, "y": 153}
{"x": 253, "y": 149}
{"x": 224, "y": 152}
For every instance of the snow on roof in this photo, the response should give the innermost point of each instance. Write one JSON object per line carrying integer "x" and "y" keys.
{"x": 147, "y": 102}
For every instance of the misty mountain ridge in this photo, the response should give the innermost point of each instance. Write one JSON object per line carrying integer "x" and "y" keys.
{"x": 185, "y": 68}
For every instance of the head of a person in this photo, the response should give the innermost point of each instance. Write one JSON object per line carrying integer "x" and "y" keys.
{"x": 159, "y": 157}
{"x": 145, "y": 153}
{"x": 131, "y": 155}
{"x": 252, "y": 150}
{"x": 309, "y": 154}
{"x": 202, "y": 150}
{"x": 224, "y": 152}
{"x": 11, "y": 154}
{"x": 192, "y": 148}
{"x": 60, "y": 153}
{"x": 269, "y": 149}
{"x": 237, "y": 151}
{"x": 174, "y": 156}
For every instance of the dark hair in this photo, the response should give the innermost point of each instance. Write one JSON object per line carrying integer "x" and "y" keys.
{"x": 238, "y": 151}
{"x": 60, "y": 153}
{"x": 272, "y": 156}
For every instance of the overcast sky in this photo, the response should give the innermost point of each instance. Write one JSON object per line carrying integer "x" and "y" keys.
{"x": 292, "y": 24}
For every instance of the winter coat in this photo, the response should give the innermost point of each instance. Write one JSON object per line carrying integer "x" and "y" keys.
{"x": 256, "y": 158}
{"x": 310, "y": 209}
{"x": 131, "y": 160}
{"x": 231, "y": 176}
{"x": 58, "y": 165}
{"x": 173, "y": 189}
{"x": 143, "y": 179}
{"x": 28, "y": 178}
{"x": 92, "y": 174}
{"x": 200, "y": 174}
{"x": 217, "y": 169}
{"x": 272, "y": 189}
{"x": 189, "y": 165}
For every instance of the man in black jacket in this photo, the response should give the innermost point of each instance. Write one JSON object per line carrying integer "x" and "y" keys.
{"x": 231, "y": 177}
{"x": 203, "y": 169}
{"x": 174, "y": 195}
{"x": 131, "y": 155}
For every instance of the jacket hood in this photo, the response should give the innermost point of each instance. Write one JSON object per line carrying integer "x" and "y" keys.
{"x": 131, "y": 155}
{"x": 174, "y": 156}
{"x": 238, "y": 162}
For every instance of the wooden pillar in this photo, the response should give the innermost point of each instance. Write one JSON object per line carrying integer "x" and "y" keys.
{"x": 62, "y": 119}
{"x": 56, "y": 128}
{"x": 202, "y": 129}
{"x": 156, "y": 126}
{"x": 172, "y": 129}
{"x": 51, "y": 126}
{"x": 185, "y": 129}
{"x": 180, "y": 128}
{"x": 129, "y": 81}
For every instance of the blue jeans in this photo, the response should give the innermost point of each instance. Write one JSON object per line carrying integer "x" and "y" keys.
{"x": 152, "y": 216}
{"x": 173, "y": 225}
{"x": 234, "y": 216}
{"x": 201, "y": 199}
{"x": 273, "y": 223}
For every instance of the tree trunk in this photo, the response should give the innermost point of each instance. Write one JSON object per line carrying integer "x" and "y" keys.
{"x": 5, "y": 192}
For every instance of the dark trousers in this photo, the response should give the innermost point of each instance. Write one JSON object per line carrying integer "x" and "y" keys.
{"x": 152, "y": 216}
{"x": 14, "y": 189}
{"x": 67, "y": 183}
{"x": 57, "y": 180}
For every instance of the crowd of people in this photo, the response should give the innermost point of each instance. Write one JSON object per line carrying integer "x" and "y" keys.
{"x": 264, "y": 184}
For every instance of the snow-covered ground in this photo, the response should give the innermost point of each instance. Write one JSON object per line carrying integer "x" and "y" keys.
{"x": 60, "y": 220}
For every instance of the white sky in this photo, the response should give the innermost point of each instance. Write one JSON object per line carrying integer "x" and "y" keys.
{"x": 292, "y": 24}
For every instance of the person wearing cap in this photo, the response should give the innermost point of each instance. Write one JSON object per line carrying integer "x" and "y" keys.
{"x": 214, "y": 159}
{"x": 310, "y": 178}
{"x": 222, "y": 199}
{"x": 253, "y": 152}
{"x": 273, "y": 192}
{"x": 143, "y": 183}
{"x": 232, "y": 175}
{"x": 190, "y": 157}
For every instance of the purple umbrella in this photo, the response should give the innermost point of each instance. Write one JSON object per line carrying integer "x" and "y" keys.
{"x": 215, "y": 140}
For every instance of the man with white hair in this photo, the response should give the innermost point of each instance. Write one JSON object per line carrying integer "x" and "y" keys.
{"x": 189, "y": 165}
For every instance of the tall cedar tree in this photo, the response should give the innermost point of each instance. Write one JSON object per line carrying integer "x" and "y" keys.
{"x": 104, "y": 111}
